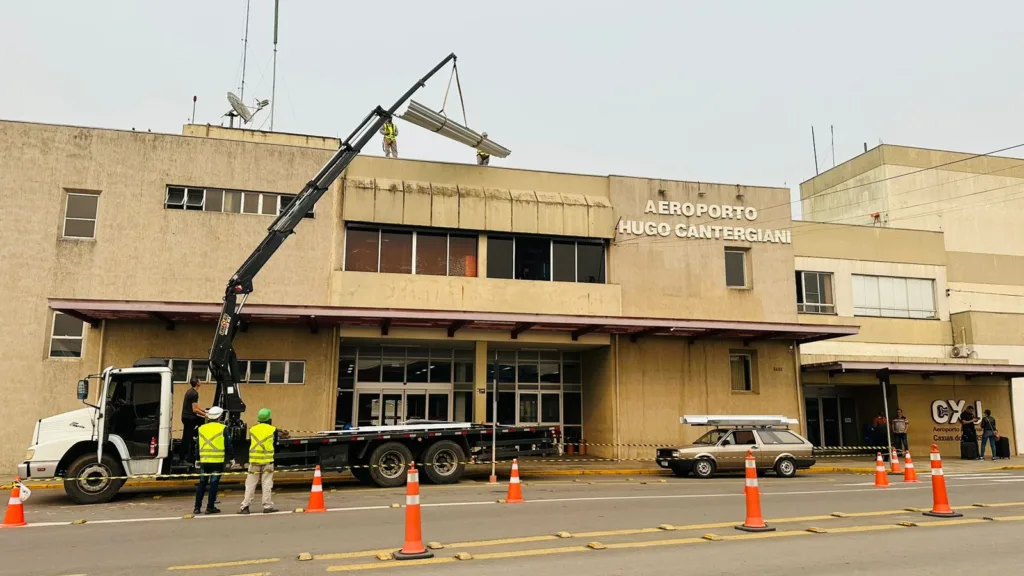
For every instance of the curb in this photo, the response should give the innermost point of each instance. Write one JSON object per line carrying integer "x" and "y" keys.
{"x": 837, "y": 470}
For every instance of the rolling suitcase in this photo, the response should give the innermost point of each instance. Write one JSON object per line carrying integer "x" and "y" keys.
{"x": 968, "y": 450}
{"x": 1003, "y": 447}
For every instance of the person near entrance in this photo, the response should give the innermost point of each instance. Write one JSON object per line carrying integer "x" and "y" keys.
{"x": 968, "y": 435}
{"x": 900, "y": 426}
{"x": 191, "y": 418}
{"x": 262, "y": 438}
{"x": 878, "y": 431}
{"x": 988, "y": 434}
{"x": 214, "y": 450}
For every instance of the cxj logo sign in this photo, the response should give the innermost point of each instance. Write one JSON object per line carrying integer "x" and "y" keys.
{"x": 949, "y": 411}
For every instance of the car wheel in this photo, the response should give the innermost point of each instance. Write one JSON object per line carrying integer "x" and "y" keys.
{"x": 91, "y": 481}
{"x": 443, "y": 462}
{"x": 390, "y": 464}
{"x": 785, "y": 468}
{"x": 704, "y": 468}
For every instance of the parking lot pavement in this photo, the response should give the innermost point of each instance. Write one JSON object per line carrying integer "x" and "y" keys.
{"x": 143, "y": 536}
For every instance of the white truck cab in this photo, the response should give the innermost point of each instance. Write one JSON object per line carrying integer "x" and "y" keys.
{"x": 94, "y": 448}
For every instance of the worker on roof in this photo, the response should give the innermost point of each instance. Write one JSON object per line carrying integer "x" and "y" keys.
{"x": 214, "y": 450}
{"x": 390, "y": 132}
{"x": 262, "y": 438}
{"x": 483, "y": 158}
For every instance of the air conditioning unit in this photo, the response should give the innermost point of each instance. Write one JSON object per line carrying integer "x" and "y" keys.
{"x": 963, "y": 351}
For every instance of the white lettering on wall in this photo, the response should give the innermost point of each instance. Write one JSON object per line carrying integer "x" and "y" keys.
{"x": 703, "y": 231}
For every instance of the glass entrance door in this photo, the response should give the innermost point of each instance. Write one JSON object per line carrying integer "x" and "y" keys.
{"x": 380, "y": 406}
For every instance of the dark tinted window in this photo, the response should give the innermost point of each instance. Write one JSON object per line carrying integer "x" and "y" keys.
{"x": 396, "y": 252}
{"x": 499, "y": 257}
{"x": 361, "y": 247}
{"x": 564, "y": 264}
{"x": 590, "y": 263}
{"x": 431, "y": 254}
{"x": 533, "y": 258}
{"x": 735, "y": 268}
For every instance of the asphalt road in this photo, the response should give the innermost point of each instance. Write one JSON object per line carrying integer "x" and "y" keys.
{"x": 140, "y": 535}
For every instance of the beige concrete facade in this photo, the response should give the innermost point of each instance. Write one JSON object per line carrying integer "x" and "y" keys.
{"x": 633, "y": 390}
{"x": 913, "y": 197}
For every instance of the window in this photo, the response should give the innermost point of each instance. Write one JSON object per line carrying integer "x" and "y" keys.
{"x": 404, "y": 251}
{"x": 257, "y": 372}
{"x": 80, "y": 215}
{"x": 735, "y": 268}
{"x": 269, "y": 371}
{"x": 778, "y": 437}
{"x": 533, "y": 258}
{"x": 741, "y": 368}
{"x": 230, "y": 201}
{"x": 66, "y": 336}
{"x": 500, "y": 254}
{"x": 184, "y": 369}
{"x": 540, "y": 258}
{"x": 893, "y": 297}
{"x": 741, "y": 438}
{"x": 396, "y": 252}
{"x": 814, "y": 293}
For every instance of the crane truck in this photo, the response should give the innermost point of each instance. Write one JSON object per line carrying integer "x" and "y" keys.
{"x": 127, "y": 433}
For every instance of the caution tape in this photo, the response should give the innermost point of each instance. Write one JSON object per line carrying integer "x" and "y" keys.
{"x": 524, "y": 465}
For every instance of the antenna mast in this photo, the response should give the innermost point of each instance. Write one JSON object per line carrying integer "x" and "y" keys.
{"x": 245, "y": 50}
{"x": 273, "y": 85}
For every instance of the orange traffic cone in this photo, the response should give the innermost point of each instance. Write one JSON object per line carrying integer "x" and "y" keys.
{"x": 316, "y": 494}
{"x": 940, "y": 505}
{"x": 15, "y": 515}
{"x": 515, "y": 490}
{"x": 754, "y": 521}
{"x": 909, "y": 474}
{"x": 881, "y": 478}
{"x": 413, "y": 548}
{"x": 894, "y": 462}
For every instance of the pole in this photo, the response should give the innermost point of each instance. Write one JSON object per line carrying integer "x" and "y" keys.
{"x": 245, "y": 50}
{"x": 814, "y": 146}
{"x": 194, "y": 98}
{"x": 883, "y": 378}
{"x": 273, "y": 82}
{"x": 832, "y": 129}
{"x": 494, "y": 422}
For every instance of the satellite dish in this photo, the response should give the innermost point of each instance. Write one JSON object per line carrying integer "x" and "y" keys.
{"x": 240, "y": 110}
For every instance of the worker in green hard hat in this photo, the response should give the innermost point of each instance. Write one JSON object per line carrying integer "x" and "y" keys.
{"x": 262, "y": 438}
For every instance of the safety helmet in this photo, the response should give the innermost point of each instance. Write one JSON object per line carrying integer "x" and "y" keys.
{"x": 214, "y": 413}
{"x": 263, "y": 415}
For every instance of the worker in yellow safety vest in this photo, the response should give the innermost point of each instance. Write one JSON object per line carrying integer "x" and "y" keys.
{"x": 214, "y": 450}
{"x": 390, "y": 132}
{"x": 483, "y": 158}
{"x": 262, "y": 438}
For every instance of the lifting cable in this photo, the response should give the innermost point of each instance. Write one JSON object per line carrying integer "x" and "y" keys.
{"x": 458, "y": 86}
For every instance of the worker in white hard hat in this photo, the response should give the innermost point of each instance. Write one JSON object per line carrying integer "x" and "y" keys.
{"x": 214, "y": 450}
{"x": 390, "y": 133}
{"x": 483, "y": 158}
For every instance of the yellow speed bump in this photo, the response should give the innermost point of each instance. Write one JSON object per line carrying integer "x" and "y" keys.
{"x": 712, "y": 537}
{"x": 463, "y": 556}
{"x": 305, "y": 556}
{"x": 595, "y": 546}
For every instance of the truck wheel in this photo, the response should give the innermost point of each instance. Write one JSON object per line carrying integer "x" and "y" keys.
{"x": 785, "y": 468}
{"x": 390, "y": 464}
{"x": 89, "y": 481}
{"x": 444, "y": 462}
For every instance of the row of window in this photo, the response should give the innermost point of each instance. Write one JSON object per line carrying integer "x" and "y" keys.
{"x": 546, "y": 259}
{"x": 254, "y": 371}
{"x": 230, "y": 201}
{"x": 405, "y": 251}
{"x": 400, "y": 365}
{"x": 880, "y": 296}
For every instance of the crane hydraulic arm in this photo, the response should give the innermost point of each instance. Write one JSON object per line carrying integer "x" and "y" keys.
{"x": 223, "y": 360}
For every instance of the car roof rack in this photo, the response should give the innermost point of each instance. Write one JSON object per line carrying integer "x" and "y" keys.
{"x": 739, "y": 421}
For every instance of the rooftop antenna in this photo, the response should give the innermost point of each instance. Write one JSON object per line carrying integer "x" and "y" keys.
{"x": 194, "y": 98}
{"x": 273, "y": 84}
{"x": 245, "y": 47}
{"x": 814, "y": 146}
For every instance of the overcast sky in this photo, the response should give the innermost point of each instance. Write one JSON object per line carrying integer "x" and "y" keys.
{"x": 709, "y": 91}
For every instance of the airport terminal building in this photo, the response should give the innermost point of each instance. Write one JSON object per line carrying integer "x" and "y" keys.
{"x": 607, "y": 305}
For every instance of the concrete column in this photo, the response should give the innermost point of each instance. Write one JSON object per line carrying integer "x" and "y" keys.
{"x": 480, "y": 383}
{"x": 481, "y": 257}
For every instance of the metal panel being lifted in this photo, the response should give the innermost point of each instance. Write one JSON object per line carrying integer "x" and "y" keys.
{"x": 744, "y": 420}
{"x": 424, "y": 117}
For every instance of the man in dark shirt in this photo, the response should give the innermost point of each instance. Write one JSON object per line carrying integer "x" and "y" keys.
{"x": 969, "y": 433}
{"x": 192, "y": 417}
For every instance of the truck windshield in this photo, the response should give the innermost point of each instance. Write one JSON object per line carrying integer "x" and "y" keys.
{"x": 711, "y": 437}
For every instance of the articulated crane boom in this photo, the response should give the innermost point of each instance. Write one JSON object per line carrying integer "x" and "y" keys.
{"x": 223, "y": 360}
